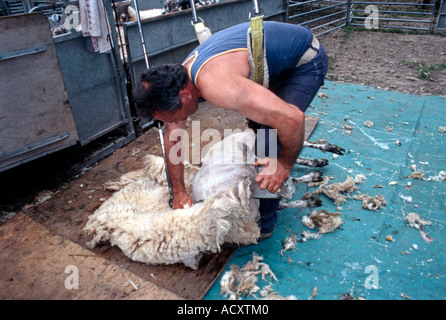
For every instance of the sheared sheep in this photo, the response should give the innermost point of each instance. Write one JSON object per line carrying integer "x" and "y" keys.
{"x": 140, "y": 222}
{"x": 138, "y": 219}
{"x": 231, "y": 160}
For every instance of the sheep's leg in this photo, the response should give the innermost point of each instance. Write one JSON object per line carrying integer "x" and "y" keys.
{"x": 308, "y": 200}
{"x": 325, "y": 147}
{"x": 312, "y": 162}
{"x": 314, "y": 176}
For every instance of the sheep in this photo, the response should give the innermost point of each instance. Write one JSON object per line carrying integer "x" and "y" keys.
{"x": 178, "y": 5}
{"x": 126, "y": 13}
{"x": 140, "y": 222}
{"x": 138, "y": 219}
{"x": 185, "y": 4}
{"x": 218, "y": 173}
{"x": 58, "y": 30}
{"x": 170, "y": 6}
{"x": 174, "y": 5}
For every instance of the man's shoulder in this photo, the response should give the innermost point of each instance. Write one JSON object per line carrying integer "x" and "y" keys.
{"x": 224, "y": 68}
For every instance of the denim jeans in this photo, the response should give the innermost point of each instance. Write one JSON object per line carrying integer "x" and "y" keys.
{"x": 298, "y": 87}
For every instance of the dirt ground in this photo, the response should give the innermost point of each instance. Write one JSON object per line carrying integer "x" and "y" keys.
{"x": 389, "y": 61}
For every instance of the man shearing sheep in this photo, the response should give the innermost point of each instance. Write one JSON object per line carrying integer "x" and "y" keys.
{"x": 219, "y": 71}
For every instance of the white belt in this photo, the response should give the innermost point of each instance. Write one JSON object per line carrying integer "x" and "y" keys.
{"x": 310, "y": 53}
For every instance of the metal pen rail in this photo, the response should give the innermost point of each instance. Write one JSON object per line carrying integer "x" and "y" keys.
{"x": 402, "y": 15}
{"x": 327, "y": 15}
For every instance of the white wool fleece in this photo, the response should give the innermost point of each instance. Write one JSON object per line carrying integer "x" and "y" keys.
{"x": 140, "y": 222}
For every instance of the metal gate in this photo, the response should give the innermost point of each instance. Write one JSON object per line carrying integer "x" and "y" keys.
{"x": 409, "y": 14}
{"x": 321, "y": 16}
{"x": 35, "y": 115}
{"x": 76, "y": 96}
{"x": 441, "y": 20}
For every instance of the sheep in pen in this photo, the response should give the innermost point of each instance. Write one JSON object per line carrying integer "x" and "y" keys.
{"x": 139, "y": 220}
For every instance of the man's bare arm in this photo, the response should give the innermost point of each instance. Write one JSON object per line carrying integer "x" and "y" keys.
{"x": 232, "y": 90}
{"x": 261, "y": 105}
{"x": 176, "y": 169}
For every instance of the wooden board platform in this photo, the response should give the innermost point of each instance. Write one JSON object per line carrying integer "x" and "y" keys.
{"x": 40, "y": 265}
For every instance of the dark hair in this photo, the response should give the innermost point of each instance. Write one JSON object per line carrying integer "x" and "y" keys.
{"x": 159, "y": 88}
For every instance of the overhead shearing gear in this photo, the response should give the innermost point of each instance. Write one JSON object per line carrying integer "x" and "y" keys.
{"x": 203, "y": 33}
{"x": 256, "y": 44}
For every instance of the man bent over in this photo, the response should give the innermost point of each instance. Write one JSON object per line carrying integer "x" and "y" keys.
{"x": 220, "y": 72}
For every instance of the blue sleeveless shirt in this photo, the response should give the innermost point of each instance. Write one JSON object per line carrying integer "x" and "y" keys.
{"x": 284, "y": 46}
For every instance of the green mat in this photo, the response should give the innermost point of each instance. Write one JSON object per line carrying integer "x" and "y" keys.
{"x": 357, "y": 259}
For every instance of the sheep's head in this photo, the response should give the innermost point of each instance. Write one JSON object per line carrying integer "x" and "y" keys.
{"x": 184, "y": 4}
{"x": 169, "y": 6}
{"x": 122, "y": 10}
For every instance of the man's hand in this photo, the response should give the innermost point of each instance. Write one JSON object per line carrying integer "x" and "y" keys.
{"x": 181, "y": 199}
{"x": 272, "y": 175}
